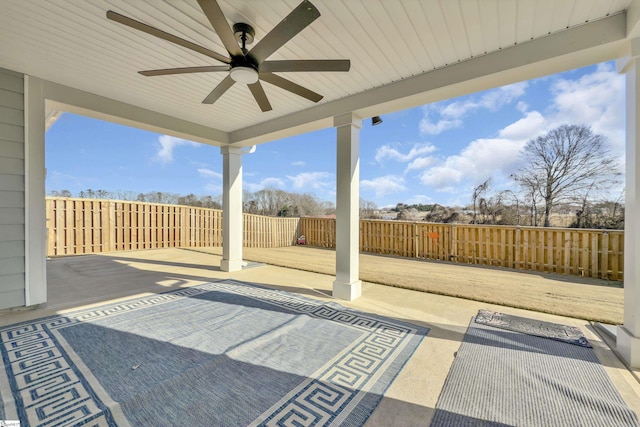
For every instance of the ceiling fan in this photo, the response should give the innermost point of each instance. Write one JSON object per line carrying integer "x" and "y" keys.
{"x": 243, "y": 65}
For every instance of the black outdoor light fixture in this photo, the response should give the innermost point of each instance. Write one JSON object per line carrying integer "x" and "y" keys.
{"x": 375, "y": 120}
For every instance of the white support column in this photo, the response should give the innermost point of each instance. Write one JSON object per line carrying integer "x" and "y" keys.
{"x": 35, "y": 215}
{"x": 628, "y": 335}
{"x": 231, "y": 209}
{"x": 347, "y": 285}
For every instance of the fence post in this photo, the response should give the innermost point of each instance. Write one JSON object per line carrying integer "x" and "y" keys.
{"x": 594, "y": 256}
{"x": 108, "y": 230}
{"x": 50, "y": 227}
{"x": 604, "y": 256}
{"x": 516, "y": 248}
{"x": 453, "y": 244}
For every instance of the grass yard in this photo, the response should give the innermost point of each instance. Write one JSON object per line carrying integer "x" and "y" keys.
{"x": 578, "y": 297}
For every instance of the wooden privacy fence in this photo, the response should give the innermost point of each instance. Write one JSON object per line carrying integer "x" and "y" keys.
{"x": 268, "y": 232}
{"x": 82, "y": 226}
{"x": 593, "y": 253}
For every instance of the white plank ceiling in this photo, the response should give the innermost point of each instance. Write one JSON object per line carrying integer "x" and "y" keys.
{"x": 72, "y": 43}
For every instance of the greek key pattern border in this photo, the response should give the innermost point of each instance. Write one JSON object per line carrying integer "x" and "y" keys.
{"x": 49, "y": 389}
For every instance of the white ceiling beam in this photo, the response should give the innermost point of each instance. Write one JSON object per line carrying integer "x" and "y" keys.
{"x": 65, "y": 98}
{"x": 633, "y": 19}
{"x": 583, "y": 45}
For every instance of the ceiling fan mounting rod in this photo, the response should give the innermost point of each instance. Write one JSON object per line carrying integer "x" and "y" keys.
{"x": 244, "y": 42}
{"x": 244, "y": 33}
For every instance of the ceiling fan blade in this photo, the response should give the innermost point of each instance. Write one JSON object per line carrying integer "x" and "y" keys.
{"x": 296, "y": 21}
{"x": 219, "y": 90}
{"x": 186, "y": 70}
{"x": 214, "y": 14}
{"x": 285, "y": 84}
{"x": 129, "y": 22}
{"x": 305, "y": 65}
{"x": 261, "y": 98}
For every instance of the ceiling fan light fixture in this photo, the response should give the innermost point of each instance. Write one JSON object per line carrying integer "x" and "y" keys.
{"x": 241, "y": 74}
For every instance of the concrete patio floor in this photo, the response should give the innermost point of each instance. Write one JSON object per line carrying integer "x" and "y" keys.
{"x": 81, "y": 281}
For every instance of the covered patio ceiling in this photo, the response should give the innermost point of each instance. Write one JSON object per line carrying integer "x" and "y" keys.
{"x": 403, "y": 54}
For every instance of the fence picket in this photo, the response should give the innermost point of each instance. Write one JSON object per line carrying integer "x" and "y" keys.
{"x": 90, "y": 226}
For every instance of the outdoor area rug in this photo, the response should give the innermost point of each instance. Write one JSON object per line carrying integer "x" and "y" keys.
{"x": 222, "y": 354}
{"x": 506, "y": 378}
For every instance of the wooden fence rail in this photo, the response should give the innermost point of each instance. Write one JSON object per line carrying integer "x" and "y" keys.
{"x": 592, "y": 253}
{"x": 81, "y": 226}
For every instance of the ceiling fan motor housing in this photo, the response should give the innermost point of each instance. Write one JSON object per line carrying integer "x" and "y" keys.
{"x": 244, "y": 69}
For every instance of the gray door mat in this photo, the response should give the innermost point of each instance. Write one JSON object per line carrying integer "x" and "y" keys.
{"x": 538, "y": 328}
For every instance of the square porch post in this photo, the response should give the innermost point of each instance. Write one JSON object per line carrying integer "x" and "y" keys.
{"x": 232, "y": 235}
{"x": 34, "y": 203}
{"x": 628, "y": 335}
{"x": 347, "y": 285}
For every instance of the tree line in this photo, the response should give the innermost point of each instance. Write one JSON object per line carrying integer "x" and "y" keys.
{"x": 564, "y": 172}
{"x": 269, "y": 201}
{"x": 162, "y": 197}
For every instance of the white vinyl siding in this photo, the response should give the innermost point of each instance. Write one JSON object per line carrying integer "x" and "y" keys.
{"x": 12, "y": 190}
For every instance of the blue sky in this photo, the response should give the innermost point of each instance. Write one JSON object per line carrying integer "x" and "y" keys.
{"x": 436, "y": 153}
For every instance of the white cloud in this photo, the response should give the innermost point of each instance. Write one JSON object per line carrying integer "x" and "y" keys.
{"x": 496, "y": 98}
{"x": 384, "y": 185}
{"x": 597, "y": 100}
{"x": 458, "y": 109}
{"x": 420, "y": 163}
{"x": 522, "y": 106}
{"x": 214, "y": 184}
{"x": 307, "y": 181}
{"x": 299, "y": 163}
{"x": 208, "y": 173}
{"x": 168, "y": 144}
{"x": 442, "y": 178}
{"x": 386, "y": 151}
{"x": 481, "y": 159}
{"x": 427, "y": 127}
{"x": 451, "y": 113}
{"x": 530, "y": 126}
{"x": 265, "y": 183}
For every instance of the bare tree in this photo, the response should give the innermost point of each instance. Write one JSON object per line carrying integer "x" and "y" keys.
{"x": 478, "y": 199}
{"x": 493, "y": 209}
{"x": 604, "y": 214}
{"x": 530, "y": 186}
{"x": 275, "y": 202}
{"x": 565, "y": 163}
{"x": 509, "y": 209}
{"x": 368, "y": 209}
{"x": 61, "y": 193}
